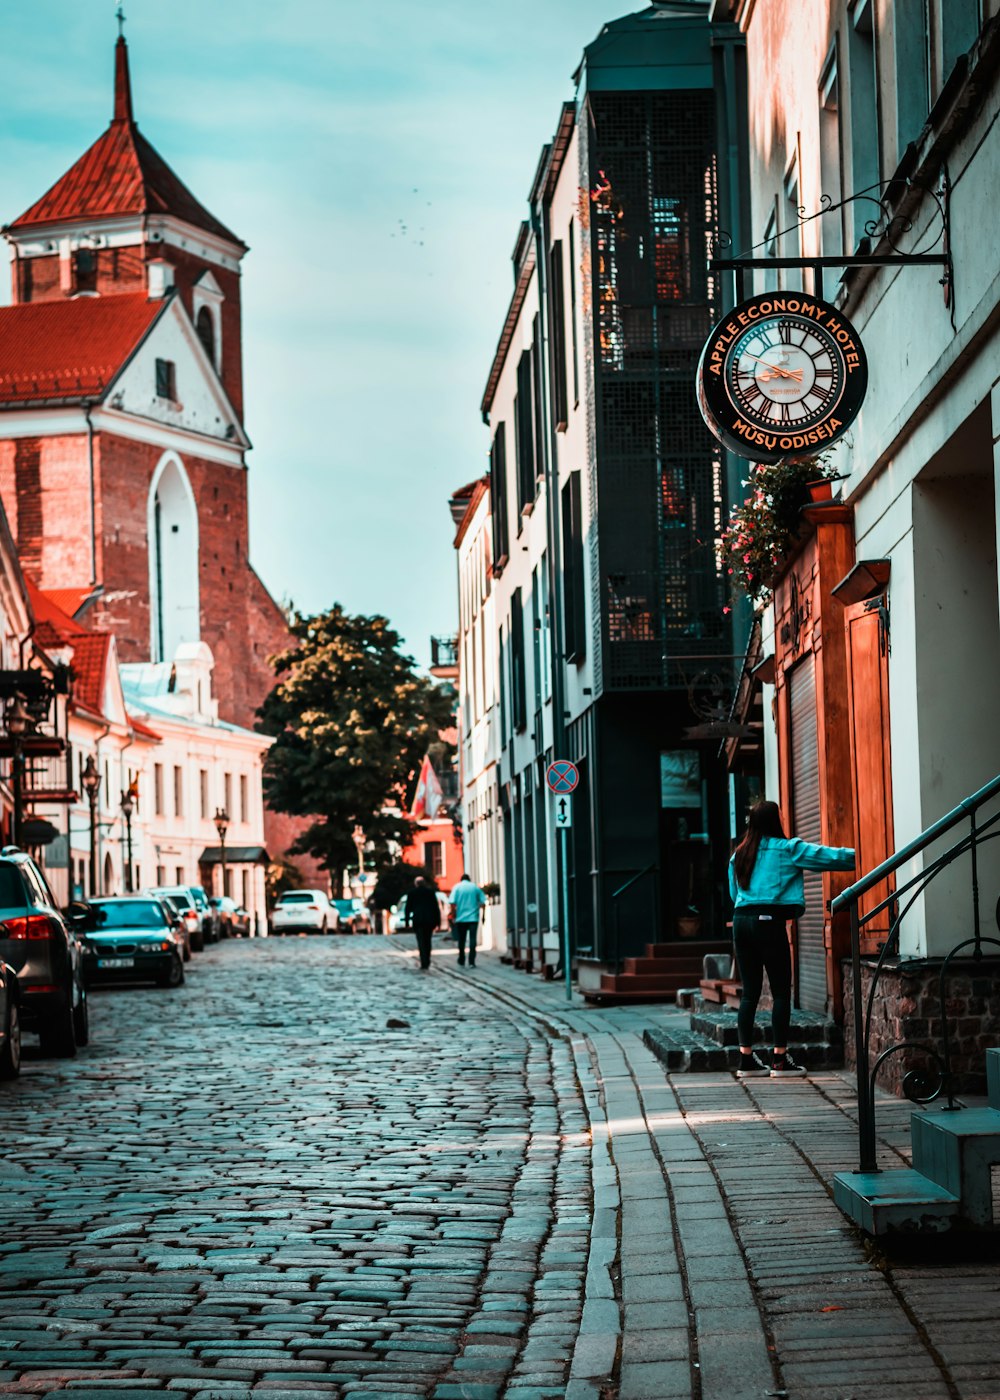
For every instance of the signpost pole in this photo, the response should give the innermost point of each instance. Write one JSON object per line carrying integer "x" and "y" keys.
{"x": 567, "y": 961}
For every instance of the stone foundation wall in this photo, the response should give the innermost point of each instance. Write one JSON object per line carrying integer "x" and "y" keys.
{"x": 907, "y": 1008}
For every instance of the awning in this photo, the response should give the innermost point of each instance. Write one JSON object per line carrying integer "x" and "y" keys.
{"x": 235, "y": 855}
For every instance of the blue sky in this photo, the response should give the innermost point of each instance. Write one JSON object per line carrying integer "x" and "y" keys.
{"x": 376, "y": 156}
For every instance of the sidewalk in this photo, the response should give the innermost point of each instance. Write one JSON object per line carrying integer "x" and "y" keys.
{"x": 719, "y": 1266}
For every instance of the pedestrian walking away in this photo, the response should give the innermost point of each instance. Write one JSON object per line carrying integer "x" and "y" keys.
{"x": 466, "y": 900}
{"x": 423, "y": 916}
{"x": 767, "y": 889}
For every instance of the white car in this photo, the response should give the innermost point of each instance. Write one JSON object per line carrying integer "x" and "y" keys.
{"x": 304, "y": 911}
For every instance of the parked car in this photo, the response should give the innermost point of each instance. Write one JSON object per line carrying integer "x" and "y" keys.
{"x": 130, "y": 939}
{"x": 180, "y": 901}
{"x": 304, "y": 911}
{"x": 354, "y": 917}
{"x": 208, "y": 913}
{"x": 234, "y": 920}
{"x": 38, "y": 942}
{"x": 10, "y": 1023}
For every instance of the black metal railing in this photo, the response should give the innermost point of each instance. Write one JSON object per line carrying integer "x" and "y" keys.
{"x": 616, "y": 906}
{"x": 918, "y": 1085}
{"x": 444, "y": 652}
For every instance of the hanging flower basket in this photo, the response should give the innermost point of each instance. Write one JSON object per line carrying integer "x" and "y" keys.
{"x": 763, "y": 530}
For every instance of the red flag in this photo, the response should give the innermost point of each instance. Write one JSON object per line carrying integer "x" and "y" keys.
{"x": 427, "y": 798}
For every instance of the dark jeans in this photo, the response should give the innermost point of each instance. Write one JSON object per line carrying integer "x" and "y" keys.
{"x": 424, "y": 936}
{"x": 463, "y": 932}
{"x": 763, "y": 945}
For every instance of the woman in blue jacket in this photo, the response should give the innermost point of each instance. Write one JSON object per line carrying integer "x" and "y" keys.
{"x": 765, "y": 881}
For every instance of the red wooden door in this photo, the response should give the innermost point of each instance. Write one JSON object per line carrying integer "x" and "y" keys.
{"x": 871, "y": 770}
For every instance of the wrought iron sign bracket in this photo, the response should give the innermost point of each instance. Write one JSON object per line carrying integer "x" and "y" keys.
{"x": 884, "y": 228}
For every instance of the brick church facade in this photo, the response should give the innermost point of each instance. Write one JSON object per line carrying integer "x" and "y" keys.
{"x": 122, "y": 446}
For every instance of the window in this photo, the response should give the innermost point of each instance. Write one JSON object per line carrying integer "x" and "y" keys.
{"x": 161, "y": 875}
{"x": 952, "y": 26}
{"x": 791, "y": 280}
{"x": 498, "y": 495}
{"x": 205, "y": 327}
{"x": 166, "y": 384}
{"x": 178, "y": 792}
{"x": 158, "y": 790}
{"x": 536, "y": 392}
{"x": 227, "y": 793}
{"x": 572, "y": 311}
{"x": 864, "y": 113}
{"x": 172, "y": 522}
{"x": 574, "y": 605}
{"x": 771, "y": 251}
{"x": 536, "y": 638}
{"x": 85, "y": 270}
{"x": 245, "y": 880}
{"x": 557, "y": 317}
{"x": 434, "y": 858}
{"x": 244, "y": 798}
{"x": 830, "y": 154}
{"x": 524, "y": 435}
{"x": 178, "y": 874}
{"x": 518, "y": 690}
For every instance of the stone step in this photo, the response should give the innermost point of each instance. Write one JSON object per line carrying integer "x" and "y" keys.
{"x": 689, "y": 948}
{"x": 689, "y": 1052}
{"x": 901, "y": 1199}
{"x": 957, "y": 1149}
{"x": 691, "y": 967}
{"x": 719, "y": 1024}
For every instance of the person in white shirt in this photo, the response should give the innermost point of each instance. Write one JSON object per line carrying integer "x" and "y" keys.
{"x": 466, "y": 900}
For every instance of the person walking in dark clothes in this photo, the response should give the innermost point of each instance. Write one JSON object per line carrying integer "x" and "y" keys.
{"x": 423, "y": 916}
{"x": 765, "y": 881}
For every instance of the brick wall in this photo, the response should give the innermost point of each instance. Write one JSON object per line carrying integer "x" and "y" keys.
{"x": 907, "y": 1008}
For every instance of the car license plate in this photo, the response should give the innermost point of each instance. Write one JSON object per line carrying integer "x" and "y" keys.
{"x": 116, "y": 962}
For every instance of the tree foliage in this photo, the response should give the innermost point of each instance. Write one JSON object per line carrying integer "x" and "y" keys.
{"x": 352, "y": 721}
{"x": 397, "y": 880}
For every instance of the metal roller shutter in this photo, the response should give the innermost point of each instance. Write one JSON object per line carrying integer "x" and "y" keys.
{"x": 806, "y": 824}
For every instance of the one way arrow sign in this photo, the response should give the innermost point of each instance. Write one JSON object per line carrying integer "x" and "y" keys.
{"x": 564, "y": 812}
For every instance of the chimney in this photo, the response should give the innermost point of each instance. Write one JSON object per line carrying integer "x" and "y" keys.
{"x": 160, "y": 275}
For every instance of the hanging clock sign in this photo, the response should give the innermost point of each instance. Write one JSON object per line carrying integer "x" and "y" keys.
{"x": 782, "y": 375}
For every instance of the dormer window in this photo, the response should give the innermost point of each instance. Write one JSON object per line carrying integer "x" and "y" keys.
{"x": 205, "y": 326}
{"x": 166, "y": 380}
{"x": 84, "y": 270}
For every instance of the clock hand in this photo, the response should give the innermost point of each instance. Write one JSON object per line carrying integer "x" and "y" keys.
{"x": 776, "y": 370}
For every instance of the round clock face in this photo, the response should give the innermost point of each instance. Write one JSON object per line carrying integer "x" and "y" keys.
{"x": 783, "y": 375}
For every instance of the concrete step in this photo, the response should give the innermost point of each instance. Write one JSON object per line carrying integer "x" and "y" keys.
{"x": 902, "y": 1199}
{"x": 719, "y": 1024}
{"x": 690, "y": 1052}
{"x": 957, "y": 1149}
{"x": 691, "y": 967}
{"x": 689, "y": 948}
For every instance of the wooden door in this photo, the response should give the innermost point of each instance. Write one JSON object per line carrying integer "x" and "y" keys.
{"x": 806, "y": 818}
{"x": 871, "y": 771}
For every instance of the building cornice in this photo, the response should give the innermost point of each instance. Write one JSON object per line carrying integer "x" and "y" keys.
{"x": 70, "y": 421}
{"x": 507, "y": 334}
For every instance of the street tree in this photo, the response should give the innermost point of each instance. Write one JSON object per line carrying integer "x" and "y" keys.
{"x": 352, "y": 720}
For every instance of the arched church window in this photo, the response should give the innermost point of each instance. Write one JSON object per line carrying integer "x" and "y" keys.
{"x": 173, "y": 560}
{"x": 205, "y": 327}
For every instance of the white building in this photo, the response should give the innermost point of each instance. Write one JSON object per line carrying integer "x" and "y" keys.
{"x": 478, "y": 709}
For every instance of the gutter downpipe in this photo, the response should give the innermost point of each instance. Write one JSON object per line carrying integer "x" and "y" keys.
{"x": 87, "y": 406}
{"x": 540, "y": 227}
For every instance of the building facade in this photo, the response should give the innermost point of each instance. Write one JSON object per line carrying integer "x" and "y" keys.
{"x": 881, "y": 653}
{"x": 607, "y": 498}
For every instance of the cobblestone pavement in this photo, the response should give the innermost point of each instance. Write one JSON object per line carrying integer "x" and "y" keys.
{"x": 259, "y": 1186}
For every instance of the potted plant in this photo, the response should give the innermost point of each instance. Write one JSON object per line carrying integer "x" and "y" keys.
{"x": 689, "y": 923}
{"x": 492, "y": 891}
{"x": 764, "y": 528}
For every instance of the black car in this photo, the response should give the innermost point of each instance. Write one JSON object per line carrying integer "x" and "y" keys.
{"x": 129, "y": 939}
{"x": 44, "y": 951}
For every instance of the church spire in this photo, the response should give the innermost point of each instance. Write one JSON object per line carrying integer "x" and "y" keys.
{"x": 123, "y": 87}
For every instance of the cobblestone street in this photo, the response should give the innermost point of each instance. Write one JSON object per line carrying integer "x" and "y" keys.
{"x": 262, "y": 1185}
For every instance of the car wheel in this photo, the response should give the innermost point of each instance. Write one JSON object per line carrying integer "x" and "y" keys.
{"x": 57, "y": 1034}
{"x": 10, "y": 1053}
{"x": 197, "y": 942}
{"x": 81, "y": 1019}
{"x": 187, "y": 953}
{"x": 324, "y": 927}
{"x": 174, "y": 976}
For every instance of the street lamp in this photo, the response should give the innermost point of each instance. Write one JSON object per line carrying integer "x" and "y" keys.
{"x": 358, "y": 837}
{"x": 128, "y": 807}
{"x": 91, "y": 780}
{"x": 18, "y": 721}
{"x": 222, "y": 826}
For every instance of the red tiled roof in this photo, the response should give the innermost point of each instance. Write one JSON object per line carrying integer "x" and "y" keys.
{"x": 69, "y": 600}
{"x": 69, "y": 349}
{"x": 119, "y": 175}
{"x": 53, "y": 626}
{"x": 144, "y": 729}
{"x": 90, "y": 655}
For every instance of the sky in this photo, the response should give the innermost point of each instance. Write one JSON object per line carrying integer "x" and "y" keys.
{"x": 376, "y": 155}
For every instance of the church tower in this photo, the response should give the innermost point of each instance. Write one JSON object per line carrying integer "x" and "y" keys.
{"x": 122, "y": 448}
{"x": 121, "y": 221}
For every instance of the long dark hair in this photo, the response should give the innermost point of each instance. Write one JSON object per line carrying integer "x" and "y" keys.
{"x": 764, "y": 820}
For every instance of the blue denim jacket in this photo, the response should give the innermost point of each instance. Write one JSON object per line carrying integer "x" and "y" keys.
{"x": 777, "y": 872}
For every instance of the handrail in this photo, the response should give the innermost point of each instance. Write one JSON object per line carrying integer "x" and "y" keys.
{"x": 914, "y": 847}
{"x": 630, "y": 882}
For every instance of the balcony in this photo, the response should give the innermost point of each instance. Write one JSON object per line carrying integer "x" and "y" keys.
{"x": 444, "y": 658}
